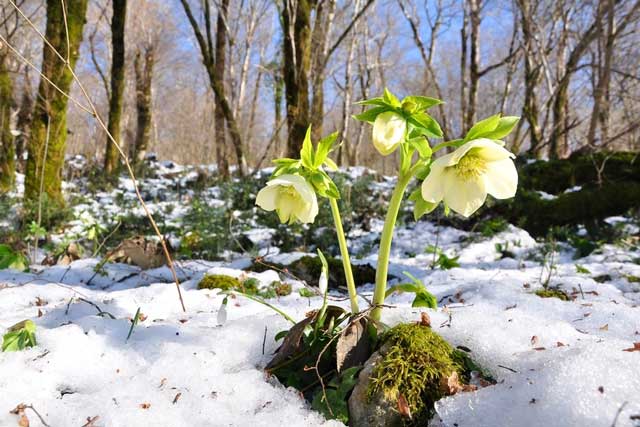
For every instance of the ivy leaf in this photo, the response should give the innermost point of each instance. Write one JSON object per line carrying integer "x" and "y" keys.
{"x": 371, "y": 114}
{"x": 483, "y": 128}
{"x": 504, "y": 128}
{"x": 306, "y": 153}
{"x": 426, "y": 125}
{"x": 324, "y": 148}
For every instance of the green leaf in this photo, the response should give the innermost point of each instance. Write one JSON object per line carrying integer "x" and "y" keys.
{"x": 20, "y": 336}
{"x": 422, "y": 145}
{"x": 426, "y": 125}
{"x": 373, "y": 101}
{"x": 420, "y": 207}
{"x": 306, "y": 153}
{"x": 134, "y": 322}
{"x": 371, "y": 114}
{"x": 324, "y": 148}
{"x": 504, "y": 128}
{"x": 330, "y": 164}
{"x": 483, "y": 128}
{"x": 422, "y": 102}
{"x": 425, "y": 298}
{"x": 453, "y": 143}
{"x": 391, "y": 99}
{"x": 11, "y": 259}
{"x": 422, "y": 171}
{"x": 582, "y": 270}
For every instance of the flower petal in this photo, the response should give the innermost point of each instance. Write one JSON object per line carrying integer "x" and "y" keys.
{"x": 501, "y": 179}
{"x": 267, "y": 197}
{"x": 464, "y": 197}
{"x": 433, "y": 185}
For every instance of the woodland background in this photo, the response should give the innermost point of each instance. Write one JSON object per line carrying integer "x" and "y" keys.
{"x": 237, "y": 82}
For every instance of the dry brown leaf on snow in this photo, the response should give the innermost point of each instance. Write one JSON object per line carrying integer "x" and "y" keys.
{"x": 175, "y": 399}
{"x": 425, "y": 320}
{"x": 145, "y": 405}
{"x": 534, "y": 340}
{"x": 636, "y": 347}
{"x": 560, "y": 344}
{"x": 23, "y": 421}
{"x": 605, "y": 327}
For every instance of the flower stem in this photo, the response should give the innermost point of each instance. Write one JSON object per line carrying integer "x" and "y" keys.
{"x": 385, "y": 242}
{"x": 344, "y": 251}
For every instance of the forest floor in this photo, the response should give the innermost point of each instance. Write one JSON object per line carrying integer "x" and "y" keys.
{"x": 556, "y": 362}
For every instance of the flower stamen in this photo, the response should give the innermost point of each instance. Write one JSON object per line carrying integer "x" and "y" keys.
{"x": 470, "y": 167}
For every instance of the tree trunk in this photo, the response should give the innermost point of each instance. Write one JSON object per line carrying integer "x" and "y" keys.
{"x": 22, "y": 125}
{"x": 46, "y": 155}
{"x": 7, "y": 148}
{"x": 474, "y": 62}
{"x": 463, "y": 70}
{"x": 297, "y": 56}
{"x": 117, "y": 84}
{"x": 325, "y": 13}
{"x": 532, "y": 77}
{"x": 219, "y": 66}
{"x": 144, "y": 77}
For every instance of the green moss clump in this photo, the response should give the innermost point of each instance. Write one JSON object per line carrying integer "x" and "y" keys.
{"x": 250, "y": 286}
{"x": 416, "y": 361}
{"x": 281, "y": 289}
{"x": 553, "y": 293}
{"x": 219, "y": 281}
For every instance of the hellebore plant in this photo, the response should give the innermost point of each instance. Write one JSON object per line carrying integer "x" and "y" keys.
{"x": 478, "y": 165}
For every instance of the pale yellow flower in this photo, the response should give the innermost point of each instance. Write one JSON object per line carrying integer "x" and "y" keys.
{"x": 388, "y": 132}
{"x": 291, "y": 196}
{"x": 464, "y": 178}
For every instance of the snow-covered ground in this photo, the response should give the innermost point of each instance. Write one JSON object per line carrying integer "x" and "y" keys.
{"x": 557, "y": 363}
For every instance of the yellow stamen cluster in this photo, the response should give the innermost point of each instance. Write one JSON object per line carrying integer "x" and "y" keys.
{"x": 470, "y": 167}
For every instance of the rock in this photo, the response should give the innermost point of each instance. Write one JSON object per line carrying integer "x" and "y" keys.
{"x": 377, "y": 410}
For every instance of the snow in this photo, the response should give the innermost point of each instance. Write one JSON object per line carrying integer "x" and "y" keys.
{"x": 557, "y": 363}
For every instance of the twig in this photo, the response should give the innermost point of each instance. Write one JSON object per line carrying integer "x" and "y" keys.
{"x": 615, "y": 420}
{"x": 508, "y": 369}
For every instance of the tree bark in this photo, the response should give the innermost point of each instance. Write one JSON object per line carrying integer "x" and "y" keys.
{"x": 532, "y": 76}
{"x": 50, "y": 115}
{"x": 219, "y": 66}
{"x": 143, "y": 65}
{"x": 474, "y": 62}
{"x": 22, "y": 125}
{"x": 117, "y": 83}
{"x": 297, "y": 56}
{"x": 7, "y": 148}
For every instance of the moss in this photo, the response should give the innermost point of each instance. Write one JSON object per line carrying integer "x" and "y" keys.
{"x": 219, "y": 281}
{"x": 603, "y": 278}
{"x": 250, "y": 286}
{"x": 7, "y": 149}
{"x": 553, "y": 293}
{"x": 416, "y": 361}
{"x": 282, "y": 289}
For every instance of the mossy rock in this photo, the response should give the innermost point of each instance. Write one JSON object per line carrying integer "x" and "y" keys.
{"x": 308, "y": 268}
{"x": 219, "y": 281}
{"x": 414, "y": 362}
{"x": 553, "y": 293}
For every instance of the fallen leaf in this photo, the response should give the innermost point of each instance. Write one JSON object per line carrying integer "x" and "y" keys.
{"x": 145, "y": 405}
{"x": 559, "y": 344}
{"x": 142, "y": 317}
{"x": 539, "y": 348}
{"x": 451, "y": 385}
{"x": 353, "y": 347}
{"x": 425, "y": 320}
{"x": 605, "y": 327}
{"x": 183, "y": 320}
{"x": 403, "y": 406}
{"x": 91, "y": 421}
{"x": 175, "y": 399}
{"x": 534, "y": 340}
{"x": 636, "y": 347}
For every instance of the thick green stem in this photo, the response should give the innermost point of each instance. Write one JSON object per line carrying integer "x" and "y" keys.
{"x": 385, "y": 242}
{"x": 344, "y": 251}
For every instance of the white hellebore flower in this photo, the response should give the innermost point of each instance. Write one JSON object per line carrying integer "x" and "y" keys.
{"x": 463, "y": 178}
{"x": 291, "y": 196}
{"x": 323, "y": 283}
{"x": 388, "y": 132}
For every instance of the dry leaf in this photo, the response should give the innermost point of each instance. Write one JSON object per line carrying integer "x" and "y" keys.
{"x": 403, "y": 406}
{"x": 605, "y": 327}
{"x": 534, "y": 340}
{"x": 636, "y": 347}
{"x": 425, "y": 320}
{"x": 559, "y": 344}
{"x": 539, "y": 348}
{"x": 353, "y": 347}
{"x": 145, "y": 405}
{"x": 175, "y": 399}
